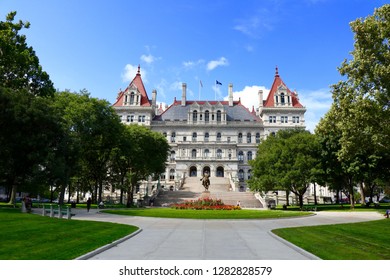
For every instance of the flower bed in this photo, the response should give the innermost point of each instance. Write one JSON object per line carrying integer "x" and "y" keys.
{"x": 205, "y": 204}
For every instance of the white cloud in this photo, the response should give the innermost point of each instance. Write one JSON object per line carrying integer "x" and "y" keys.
{"x": 317, "y": 103}
{"x": 192, "y": 64}
{"x": 263, "y": 20}
{"x": 249, "y": 95}
{"x": 129, "y": 73}
{"x": 211, "y": 65}
{"x": 148, "y": 58}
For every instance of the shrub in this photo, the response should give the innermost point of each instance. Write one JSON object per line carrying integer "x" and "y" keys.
{"x": 205, "y": 204}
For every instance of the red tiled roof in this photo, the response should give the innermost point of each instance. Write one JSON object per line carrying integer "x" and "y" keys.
{"x": 277, "y": 83}
{"x": 137, "y": 82}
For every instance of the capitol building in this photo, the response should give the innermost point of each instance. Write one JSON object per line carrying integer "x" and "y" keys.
{"x": 217, "y": 137}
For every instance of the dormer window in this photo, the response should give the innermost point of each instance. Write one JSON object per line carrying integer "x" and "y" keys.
{"x": 207, "y": 116}
{"x": 282, "y": 99}
{"x": 195, "y": 116}
{"x": 218, "y": 116}
{"x": 132, "y": 98}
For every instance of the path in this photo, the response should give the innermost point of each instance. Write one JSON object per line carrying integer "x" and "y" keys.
{"x": 184, "y": 239}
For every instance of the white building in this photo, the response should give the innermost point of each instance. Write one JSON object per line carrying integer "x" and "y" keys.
{"x": 218, "y": 137}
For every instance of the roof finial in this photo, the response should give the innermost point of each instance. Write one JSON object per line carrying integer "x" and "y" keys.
{"x": 276, "y": 71}
{"x": 139, "y": 70}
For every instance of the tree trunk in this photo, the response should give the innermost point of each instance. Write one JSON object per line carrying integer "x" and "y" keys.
{"x": 362, "y": 195}
{"x": 13, "y": 194}
{"x": 351, "y": 196}
{"x": 62, "y": 194}
{"x": 100, "y": 190}
{"x": 130, "y": 197}
{"x": 287, "y": 198}
{"x": 315, "y": 194}
{"x": 300, "y": 196}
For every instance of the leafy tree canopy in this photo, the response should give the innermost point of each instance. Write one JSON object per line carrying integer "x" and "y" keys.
{"x": 19, "y": 65}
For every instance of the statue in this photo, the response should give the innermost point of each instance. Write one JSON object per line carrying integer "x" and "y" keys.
{"x": 205, "y": 181}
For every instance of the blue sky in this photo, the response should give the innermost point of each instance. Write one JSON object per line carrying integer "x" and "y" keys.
{"x": 97, "y": 45}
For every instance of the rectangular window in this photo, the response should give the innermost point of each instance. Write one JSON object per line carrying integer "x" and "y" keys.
{"x": 284, "y": 119}
{"x": 272, "y": 119}
{"x": 295, "y": 119}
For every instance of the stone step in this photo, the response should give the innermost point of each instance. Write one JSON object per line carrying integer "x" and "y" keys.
{"x": 192, "y": 189}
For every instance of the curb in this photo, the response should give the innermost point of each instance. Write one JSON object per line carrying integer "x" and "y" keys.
{"x": 108, "y": 246}
{"x": 305, "y": 253}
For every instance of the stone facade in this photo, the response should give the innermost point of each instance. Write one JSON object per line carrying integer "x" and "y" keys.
{"x": 218, "y": 137}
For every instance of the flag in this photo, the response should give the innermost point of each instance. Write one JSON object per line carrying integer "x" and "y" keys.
{"x": 200, "y": 81}
{"x": 218, "y": 83}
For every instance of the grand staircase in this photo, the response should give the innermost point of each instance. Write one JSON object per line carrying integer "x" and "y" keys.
{"x": 219, "y": 189}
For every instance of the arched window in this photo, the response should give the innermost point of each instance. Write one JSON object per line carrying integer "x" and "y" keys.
{"x": 257, "y": 137}
{"x": 249, "y": 155}
{"x": 172, "y": 174}
{"x": 240, "y": 137}
{"x": 193, "y": 153}
{"x": 218, "y": 116}
{"x": 241, "y": 175}
{"x": 206, "y": 137}
{"x": 207, "y": 116}
{"x": 240, "y": 156}
{"x": 194, "y": 137}
{"x": 219, "y": 153}
{"x": 219, "y": 137}
{"x": 195, "y": 116}
{"x": 206, "y": 153}
{"x": 132, "y": 98}
{"x": 248, "y": 137}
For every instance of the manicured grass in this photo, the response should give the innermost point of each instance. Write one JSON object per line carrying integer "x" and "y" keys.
{"x": 207, "y": 214}
{"x": 32, "y": 237}
{"x": 356, "y": 241}
{"x": 338, "y": 207}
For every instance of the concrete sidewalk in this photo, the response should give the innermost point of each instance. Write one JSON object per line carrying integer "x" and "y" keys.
{"x": 184, "y": 239}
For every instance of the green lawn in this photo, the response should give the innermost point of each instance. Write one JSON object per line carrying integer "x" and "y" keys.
{"x": 357, "y": 241}
{"x": 33, "y": 237}
{"x": 207, "y": 214}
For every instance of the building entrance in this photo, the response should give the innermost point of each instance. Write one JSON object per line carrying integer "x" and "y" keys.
{"x": 206, "y": 169}
{"x": 193, "y": 171}
{"x": 220, "y": 171}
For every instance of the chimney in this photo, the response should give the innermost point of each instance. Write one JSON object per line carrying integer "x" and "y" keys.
{"x": 154, "y": 97}
{"x": 183, "y": 94}
{"x": 260, "y": 98}
{"x": 230, "y": 95}
{"x": 260, "y": 112}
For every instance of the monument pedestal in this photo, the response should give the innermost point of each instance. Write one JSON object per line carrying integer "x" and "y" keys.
{"x": 205, "y": 194}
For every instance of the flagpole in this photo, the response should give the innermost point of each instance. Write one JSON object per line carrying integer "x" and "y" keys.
{"x": 199, "y": 89}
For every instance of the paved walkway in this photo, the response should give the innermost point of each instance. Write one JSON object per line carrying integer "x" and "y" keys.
{"x": 183, "y": 239}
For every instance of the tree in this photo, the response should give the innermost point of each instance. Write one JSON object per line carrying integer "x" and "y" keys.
{"x": 19, "y": 65}
{"x": 290, "y": 162}
{"x": 362, "y": 101}
{"x": 129, "y": 161}
{"x": 90, "y": 131}
{"x": 337, "y": 174}
{"x": 29, "y": 131}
